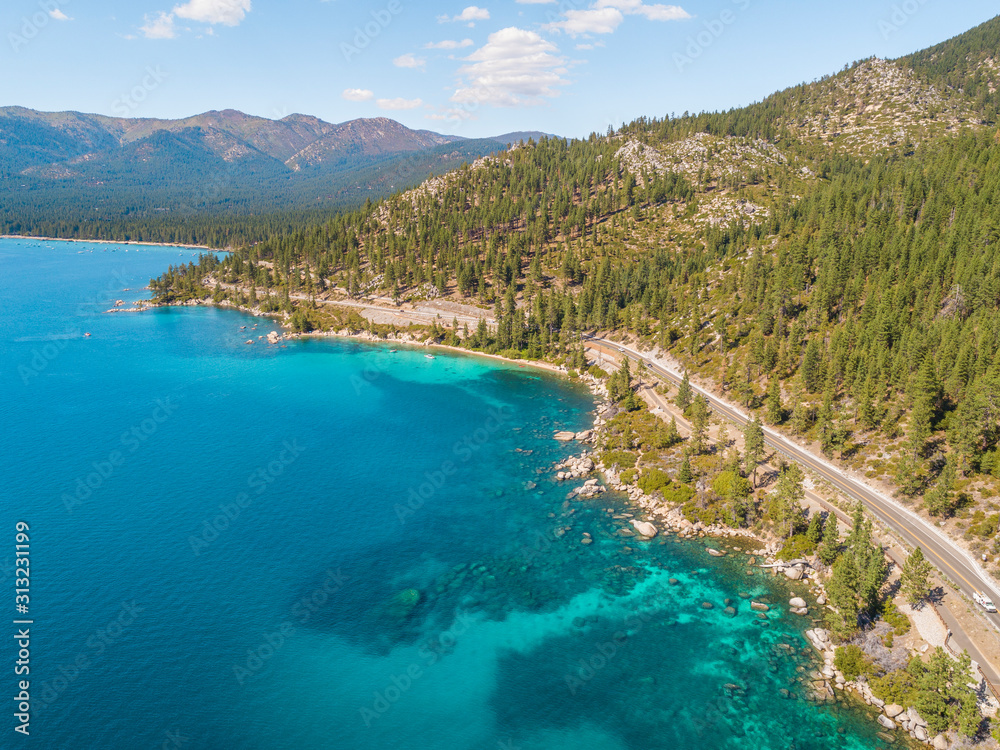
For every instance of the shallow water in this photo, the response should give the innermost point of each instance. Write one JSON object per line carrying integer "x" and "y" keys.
{"x": 225, "y": 538}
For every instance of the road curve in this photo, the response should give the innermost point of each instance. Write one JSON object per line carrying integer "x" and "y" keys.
{"x": 954, "y": 562}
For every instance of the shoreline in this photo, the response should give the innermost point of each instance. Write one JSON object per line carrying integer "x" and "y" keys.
{"x": 367, "y": 336}
{"x": 717, "y": 539}
{"x": 112, "y": 242}
{"x": 372, "y": 339}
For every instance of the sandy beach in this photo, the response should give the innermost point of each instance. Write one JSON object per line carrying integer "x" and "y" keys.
{"x": 112, "y": 242}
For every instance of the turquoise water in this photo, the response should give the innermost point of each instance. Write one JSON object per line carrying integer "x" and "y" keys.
{"x": 327, "y": 545}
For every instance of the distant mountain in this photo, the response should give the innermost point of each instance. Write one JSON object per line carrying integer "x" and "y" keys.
{"x": 91, "y": 166}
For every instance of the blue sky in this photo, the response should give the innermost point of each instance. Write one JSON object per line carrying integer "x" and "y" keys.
{"x": 568, "y": 67}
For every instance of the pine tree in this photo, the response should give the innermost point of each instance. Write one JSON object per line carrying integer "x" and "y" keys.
{"x": 843, "y": 592}
{"x": 775, "y": 412}
{"x": 787, "y": 498}
{"x": 723, "y": 436}
{"x": 684, "y": 473}
{"x": 699, "y": 424}
{"x": 753, "y": 446}
{"x": 684, "y": 393}
{"x": 814, "y": 532}
{"x": 940, "y": 501}
{"x": 914, "y": 580}
{"x": 830, "y": 548}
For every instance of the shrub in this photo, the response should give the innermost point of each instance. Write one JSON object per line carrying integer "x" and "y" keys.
{"x": 653, "y": 480}
{"x": 729, "y": 484}
{"x": 622, "y": 459}
{"x": 894, "y": 687}
{"x": 677, "y": 494}
{"x": 597, "y": 372}
{"x": 984, "y": 526}
{"x": 797, "y": 545}
{"x": 628, "y": 476}
{"x": 852, "y": 662}
{"x": 890, "y": 613}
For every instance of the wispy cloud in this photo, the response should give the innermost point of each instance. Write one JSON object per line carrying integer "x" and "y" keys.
{"x": 449, "y": 44}
{"x": 160, "y": 26}
{"x": 58, "y": 15}
{"x": 594, "y": 21}
{"x": 358, "y": 95}
{"x": 409, "y": 60}
{"x": 655, "y": 12}
{"x": 605, "y": 16}
{"x": 515, "y": 67}
{"x": 399, "y": 103}
{"x": 470, "y": 15}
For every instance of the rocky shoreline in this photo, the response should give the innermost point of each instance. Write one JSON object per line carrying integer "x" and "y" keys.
{"x": 655, "y": 517}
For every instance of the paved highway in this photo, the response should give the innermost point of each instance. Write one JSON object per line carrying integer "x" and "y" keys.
{"x": 954, "y": 562}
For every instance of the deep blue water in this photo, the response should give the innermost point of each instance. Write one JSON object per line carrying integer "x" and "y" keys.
{"x": 328, "y": 545}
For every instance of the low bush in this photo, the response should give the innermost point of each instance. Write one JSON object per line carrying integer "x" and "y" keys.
{"x": 851, "y": 660}
{"x": 622, "y": 459}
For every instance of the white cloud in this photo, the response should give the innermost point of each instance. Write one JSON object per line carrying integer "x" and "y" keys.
{"x": 358, "y": 95}
{"x": 604, "y": 16}
{"x": 159, "y": 27}
{"x": 593, "y": 21}
{"x": 399, "y": 103}
{"x": 515, "y": 67}
{"x": 449, "y": 44}
{"x": 471, "y": 14}
{"x": 409, "y": 61}
{"x": 655, "y": 12}
{"x": 59, "y": 15}
{"x": 226, "y": 12}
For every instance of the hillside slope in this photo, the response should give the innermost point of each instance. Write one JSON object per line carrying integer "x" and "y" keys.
{"x": 828, "y": 256}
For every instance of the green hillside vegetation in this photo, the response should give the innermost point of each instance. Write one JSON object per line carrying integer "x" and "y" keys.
{"x": 833, "y": 265}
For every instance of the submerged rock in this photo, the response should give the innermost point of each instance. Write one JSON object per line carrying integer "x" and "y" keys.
{"x": 886, "y": 722}
{"x": 403, "y": 603}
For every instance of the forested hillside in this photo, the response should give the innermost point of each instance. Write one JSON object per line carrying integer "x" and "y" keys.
{"x": 69, "y": 174}
{"x": 828, "y": 256}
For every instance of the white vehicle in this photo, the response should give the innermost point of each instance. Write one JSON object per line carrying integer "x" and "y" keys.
{"x": 984, "y": 601}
